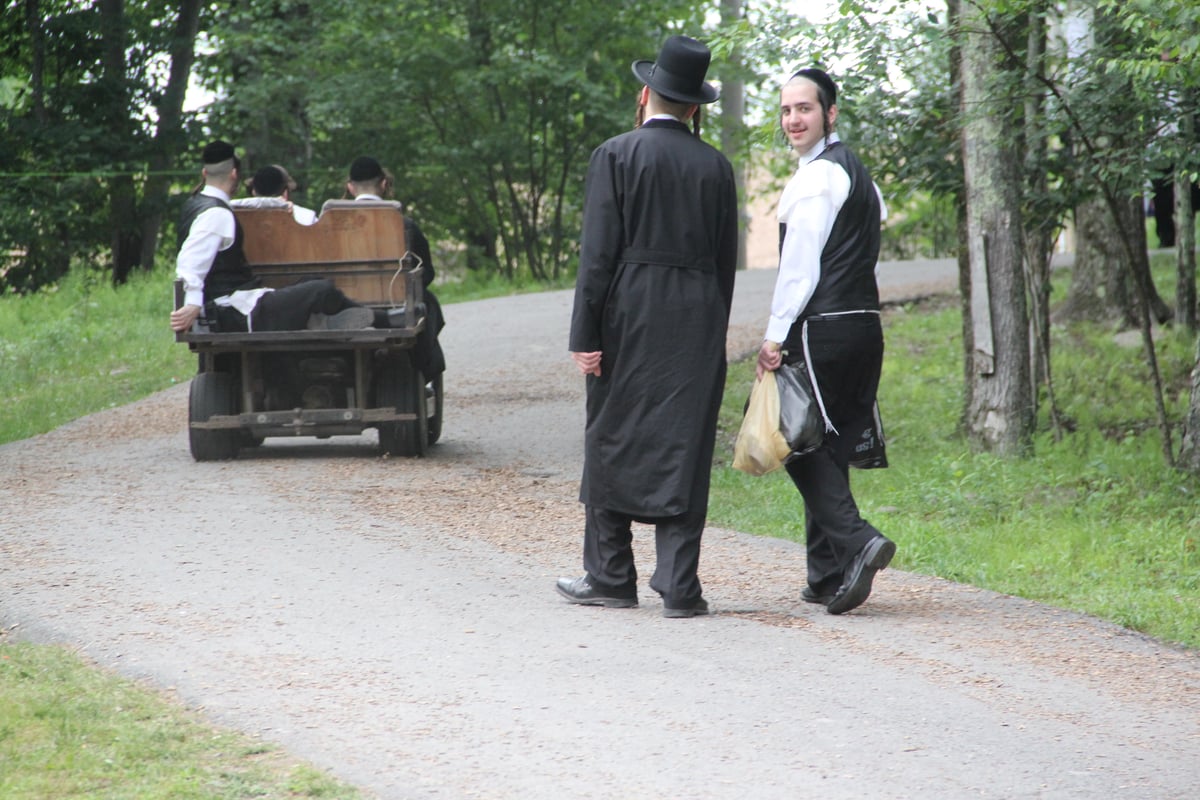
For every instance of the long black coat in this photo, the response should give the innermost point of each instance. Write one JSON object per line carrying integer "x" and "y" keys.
{"x": 658, "y": 255}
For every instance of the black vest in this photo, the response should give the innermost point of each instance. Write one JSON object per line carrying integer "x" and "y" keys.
{"x": 847, "y": 281}
{"x": 229, "y": 271}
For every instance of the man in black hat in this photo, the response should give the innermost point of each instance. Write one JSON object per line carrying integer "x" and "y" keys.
{"x": 215, "y": 274}
{"x": 657, "y": 259}
{"x": 370, "y": 182}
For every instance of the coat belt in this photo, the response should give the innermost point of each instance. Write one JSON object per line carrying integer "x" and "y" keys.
{"x": 669, "y": 258}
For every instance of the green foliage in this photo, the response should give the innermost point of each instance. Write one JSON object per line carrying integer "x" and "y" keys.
{"x": 70, "y": 730}
{"x": 1095, "y": 522}
{"x": 82, "y": 346}
{"x": 1160, "y": 66}
{"x": 486, "y": 111}
{"x": 922, "y": 227}
{"x": 83, "y": 84}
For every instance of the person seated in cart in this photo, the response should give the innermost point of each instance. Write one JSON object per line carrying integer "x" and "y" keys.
{"x": 271, "y": 187}
{"x": 369, "y": 181}
{"x": 216, "y": 276}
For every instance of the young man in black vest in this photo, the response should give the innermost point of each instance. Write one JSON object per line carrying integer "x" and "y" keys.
{"x": 825, "y": 312}
{"x": 215, "y": 274}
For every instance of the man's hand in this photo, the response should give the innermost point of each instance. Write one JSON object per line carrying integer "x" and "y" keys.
{"x": 183, "y": 317}
{"x": 770, "y": 356}
{"x": 588, "y": 363}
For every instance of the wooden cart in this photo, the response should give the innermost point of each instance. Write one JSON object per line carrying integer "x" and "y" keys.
{"x": 321, "y": 383}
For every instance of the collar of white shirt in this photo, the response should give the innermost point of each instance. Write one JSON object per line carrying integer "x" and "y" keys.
{"x": 213, "y": 191}
{"x": 818, "y": 148}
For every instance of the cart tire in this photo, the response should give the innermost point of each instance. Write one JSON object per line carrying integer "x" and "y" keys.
{"x": 400, "y": 385}
{"x": 437, "y": 404}
{"x": 212, "y": 394}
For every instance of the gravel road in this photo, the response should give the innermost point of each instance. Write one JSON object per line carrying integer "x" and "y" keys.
{"x": 395, "y": 620}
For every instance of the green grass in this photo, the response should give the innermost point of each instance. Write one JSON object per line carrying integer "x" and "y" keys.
{"x": 84, "y": 346}
{"x": 70, "y": 730}
{"x": 1095, "y": 522}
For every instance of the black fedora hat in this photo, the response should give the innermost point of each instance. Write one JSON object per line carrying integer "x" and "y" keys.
{"x": 678, "y": 74}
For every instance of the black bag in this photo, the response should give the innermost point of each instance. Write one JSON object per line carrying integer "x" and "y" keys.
{"x": 800, "y": 418}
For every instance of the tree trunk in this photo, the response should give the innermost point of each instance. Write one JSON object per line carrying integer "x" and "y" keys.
{"x": 1000, "y": 418}
{"x": 1099, "y": 290}
{"x": 953, "y": 9}
{"x": 1132, "y": 223}
{"x": 1185, "y": 238}
{"x": 1189, "y": 448}
{"x": 37, "y": 59}
{"x": 733, "y": 112}
{"x": 169, "y": 141}
{"x": 1040, "y": 228}
{"x": 125, "y": 241}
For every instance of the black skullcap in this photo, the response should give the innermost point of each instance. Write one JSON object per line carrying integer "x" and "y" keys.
{"x": 365, "y": 168}
{"x": 822, "y": 79}
{"x": 218, "y": 151}
{"x": 269, "y": 182}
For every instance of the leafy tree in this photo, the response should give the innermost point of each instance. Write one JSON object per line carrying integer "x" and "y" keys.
{"x": 89, "y": 128}
{"x": 1167, "y": 69}
{"x": 486, "y": 110}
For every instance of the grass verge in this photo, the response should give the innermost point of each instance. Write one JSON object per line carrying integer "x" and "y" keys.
{"x": 70, "y": 730}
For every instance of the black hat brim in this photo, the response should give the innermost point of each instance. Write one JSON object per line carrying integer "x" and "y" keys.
{"x": 643, "y": 70}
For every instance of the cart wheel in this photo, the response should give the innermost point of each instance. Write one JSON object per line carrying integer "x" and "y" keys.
{"x": 212, "y": 394}
{"x": 436, "y": 402}
{"x": 249, "y": 440}
{"x": 400, "y": 385}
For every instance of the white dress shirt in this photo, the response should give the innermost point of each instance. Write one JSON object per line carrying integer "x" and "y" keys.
{"x": 808, "y": 206}
{"x": 213, "y": 230}
{"x": 305, "y": 216}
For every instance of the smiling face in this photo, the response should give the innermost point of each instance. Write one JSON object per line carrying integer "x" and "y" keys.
{"x": 801, "y": 116}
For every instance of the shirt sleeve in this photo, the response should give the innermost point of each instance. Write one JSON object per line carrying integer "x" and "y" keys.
{"x": 212, "y": 231}
{"x": 809, "y": 206}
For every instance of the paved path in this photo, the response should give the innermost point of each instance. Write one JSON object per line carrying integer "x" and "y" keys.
{"x": 395, "y": 621}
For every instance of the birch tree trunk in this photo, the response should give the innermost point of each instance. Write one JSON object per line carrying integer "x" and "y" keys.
{"x": 1000, "y": 416}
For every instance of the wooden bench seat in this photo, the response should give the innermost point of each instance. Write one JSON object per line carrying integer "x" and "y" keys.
{"x": 360, "y": 246}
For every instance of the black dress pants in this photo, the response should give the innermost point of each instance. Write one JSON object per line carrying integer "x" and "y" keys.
{"x": 285, "y": 309}
{"x": 608, "y": 554}
{"x": 847, "y": 356}
{"x": 288, "y": 308}
{"x": 834, "y": 529}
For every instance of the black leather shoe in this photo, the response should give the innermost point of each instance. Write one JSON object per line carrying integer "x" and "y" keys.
{"x": 809, "y": 596}
{"x": 876, "y": 555}
{"x": 697, "y": 609}
{"x": 581, "y": 591}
